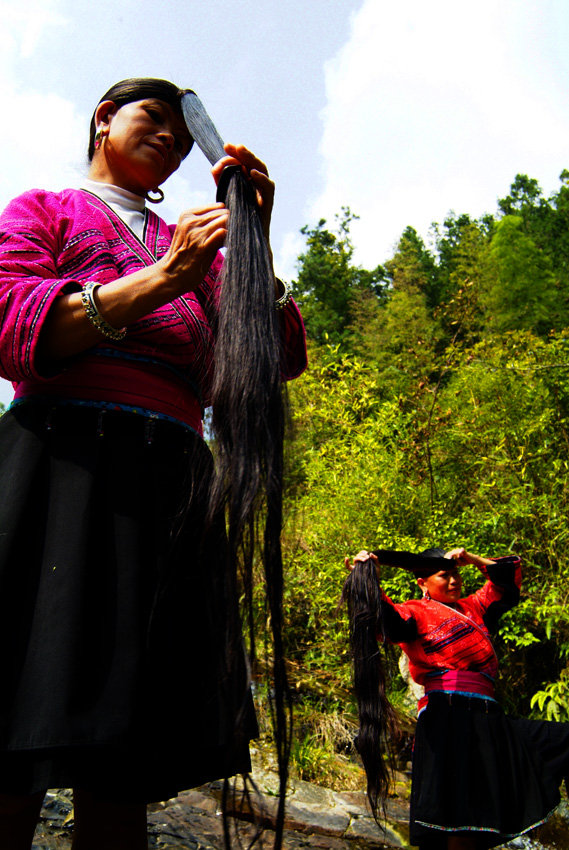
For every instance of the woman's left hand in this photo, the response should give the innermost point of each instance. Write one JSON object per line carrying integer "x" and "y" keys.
{"x": 459, "y": 554}
{"x": 256, "y": 171}
{"x": 462, "y": 557}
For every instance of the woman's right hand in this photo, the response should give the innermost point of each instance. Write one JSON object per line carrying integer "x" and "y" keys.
{"x": 360, "y": 558}
{"x": 199, "y": 235}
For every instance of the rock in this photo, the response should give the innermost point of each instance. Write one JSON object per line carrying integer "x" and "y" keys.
{"x": 353, "y": 802}
{"x": 316, "y": 818}
{"x": 308, "y": 818}
{"x": 367, "y": 828}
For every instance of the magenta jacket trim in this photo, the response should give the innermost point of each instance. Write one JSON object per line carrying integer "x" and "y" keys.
{"x": 52, "y": 243}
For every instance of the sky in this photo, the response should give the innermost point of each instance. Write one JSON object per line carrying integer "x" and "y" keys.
{"x": 402, "y": 111}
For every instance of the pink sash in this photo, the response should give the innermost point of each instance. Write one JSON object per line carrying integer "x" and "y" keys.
{"x": 467, "y": 682}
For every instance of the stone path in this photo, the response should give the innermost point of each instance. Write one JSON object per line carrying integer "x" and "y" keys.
{"x": 315, "y": 817}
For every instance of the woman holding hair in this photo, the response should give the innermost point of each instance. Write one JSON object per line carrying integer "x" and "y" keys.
{"x": 479, "y": 777}
{"x": 115, "y": 625}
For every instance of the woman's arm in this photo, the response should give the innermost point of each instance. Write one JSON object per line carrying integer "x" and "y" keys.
{"x": 198, "y": 236}
{"x": 501, "y": 592}
{"x": 45, "y": 261}
{"x": 462, "y": 557}
{"x": 395, "y": 627}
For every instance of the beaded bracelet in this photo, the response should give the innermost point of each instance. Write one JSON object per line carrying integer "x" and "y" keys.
{"x": 281, "y": 302}
{"x": 92, "y": 313}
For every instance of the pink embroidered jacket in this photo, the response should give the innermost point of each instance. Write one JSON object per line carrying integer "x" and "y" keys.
{"x": 53, "y": 243}
{"x": 439, "y": 638}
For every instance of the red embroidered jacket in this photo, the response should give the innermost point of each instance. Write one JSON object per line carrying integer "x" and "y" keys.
{"x": 438, "y": 638}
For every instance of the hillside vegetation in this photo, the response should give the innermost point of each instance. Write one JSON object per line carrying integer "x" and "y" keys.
{"x": 435, "y": 412}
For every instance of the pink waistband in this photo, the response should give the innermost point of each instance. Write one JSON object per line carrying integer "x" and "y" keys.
{"x": 463, "y": 681}
{"x": 124, "y": 382}
{"x": 466, "y": 682}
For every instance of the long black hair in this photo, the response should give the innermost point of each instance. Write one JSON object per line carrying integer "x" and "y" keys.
{"x": 378, "y": 725}
{"x": 248, "y": 418}
{"x": 249, "y": 415}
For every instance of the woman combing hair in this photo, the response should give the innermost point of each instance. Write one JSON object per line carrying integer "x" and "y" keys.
{"x": 124, "y": 672}
{"x": 479, "y": 777}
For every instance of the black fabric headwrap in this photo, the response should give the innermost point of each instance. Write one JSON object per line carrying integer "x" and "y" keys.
{"x": 422, "y": 565}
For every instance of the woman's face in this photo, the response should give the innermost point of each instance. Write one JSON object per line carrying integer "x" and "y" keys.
{"x": 444, "y": 586}
{"x": 143, "y": 143}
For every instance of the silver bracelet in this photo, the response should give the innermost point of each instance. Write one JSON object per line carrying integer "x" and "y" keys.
{"x": 281, "y": 302}
{"x": 92, "y": 313}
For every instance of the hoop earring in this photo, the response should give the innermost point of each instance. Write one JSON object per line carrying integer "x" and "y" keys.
{"x": 158, "y": 191}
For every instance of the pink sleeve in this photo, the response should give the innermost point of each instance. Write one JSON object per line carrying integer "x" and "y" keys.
{"x": 28, "y": 283}
{"x": 294, "y": 342}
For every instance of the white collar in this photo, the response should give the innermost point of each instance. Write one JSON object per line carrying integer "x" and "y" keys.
{"x": 115, "y": 196}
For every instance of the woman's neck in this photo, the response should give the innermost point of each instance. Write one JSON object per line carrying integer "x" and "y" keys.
{"x": 99, "y": 172}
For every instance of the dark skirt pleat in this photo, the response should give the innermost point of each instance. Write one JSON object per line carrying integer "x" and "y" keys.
{"x": 476, "y": 770}
{"x": 117, "y": 657}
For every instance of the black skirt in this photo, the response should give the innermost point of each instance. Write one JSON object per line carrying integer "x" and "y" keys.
{"x": 478, "y": 771}
{"x": 121, "y": 653}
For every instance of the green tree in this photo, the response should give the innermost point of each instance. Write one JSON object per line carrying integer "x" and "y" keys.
{"x": 399, "y": 335}
{"x": 412, "y": 267}
{"x": 462, "y": 247}
{"x": 329, "y": 282}
{"x": 558, "y": 247}
{"x": 520, "y": 289}
{"x": 525, "y": 197}
{"x": 546, "y": 223}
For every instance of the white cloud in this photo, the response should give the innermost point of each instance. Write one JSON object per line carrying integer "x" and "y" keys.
{"x": 433, "y": 107}
{"x": 24, "y": 23}
{"x": 286, "y": 257}
{"x": 43, "y": 144}
{"x": 43, "y": 139}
